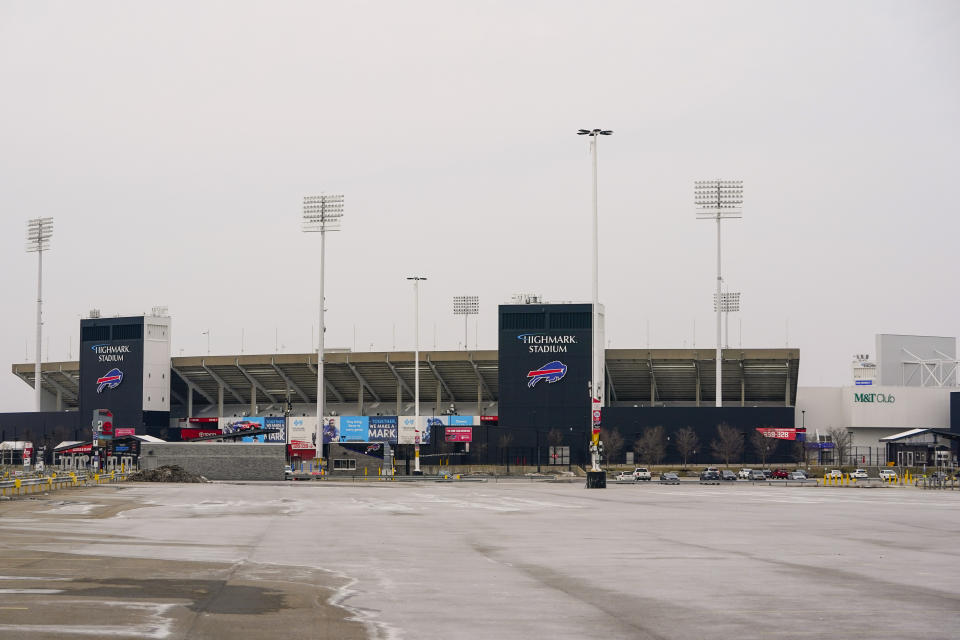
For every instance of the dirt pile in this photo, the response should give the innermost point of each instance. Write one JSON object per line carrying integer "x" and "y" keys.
{"x": 166, "y": 473}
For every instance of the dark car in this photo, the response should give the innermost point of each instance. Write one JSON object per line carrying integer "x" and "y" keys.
{"x": 767, "y": 473}
{"x": 779, "y": 474}
{"x": 728, "y": 476}
{"x": 669, "y": 477}
{"x": 710, "y": 477}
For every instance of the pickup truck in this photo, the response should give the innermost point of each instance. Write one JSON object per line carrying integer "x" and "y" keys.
{"x": 638, "y": 474}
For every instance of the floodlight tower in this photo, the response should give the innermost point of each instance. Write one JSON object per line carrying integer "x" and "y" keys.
{"x": 466, "y": 306}
{"x": 596, "y": 369}
{"x": 321, "y": 214}
{"x": 729, "y": 301}
{"x": 39, "y": 231}
{"x": 416, "y": 372}
{"x": 716, "y": 200}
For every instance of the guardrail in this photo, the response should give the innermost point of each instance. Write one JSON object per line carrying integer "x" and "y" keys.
{"x": 41, "y": 484}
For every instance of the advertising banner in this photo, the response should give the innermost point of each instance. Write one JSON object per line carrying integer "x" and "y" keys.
{"x": 406, "y": 430}
{"x": 276, "y": 422}
{"x": 462, "y": 421}
{"x": 409, "y": 432}
{"x": 458, "y": 434}
{"x": 301, "y": 432}
{"x": 354, "y": 428}
{"x": 383, "y": 428}
{"x": 124, "y": 431}
{"x": 190, "y": 434}
{"x": 779, "y": 433}
{"x": 236, "y": 425}
{"x": 331, "y": 429}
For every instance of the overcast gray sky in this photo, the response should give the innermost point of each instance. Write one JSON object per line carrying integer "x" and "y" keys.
{"x": 173, "y": 142}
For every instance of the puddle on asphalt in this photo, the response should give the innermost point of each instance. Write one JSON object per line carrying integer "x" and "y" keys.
{"x": 211, "y": 596}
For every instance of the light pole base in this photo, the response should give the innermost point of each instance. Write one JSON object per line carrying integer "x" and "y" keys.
{"x": 596, "y": 480}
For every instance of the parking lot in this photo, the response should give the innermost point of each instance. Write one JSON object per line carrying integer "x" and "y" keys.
{"x": 504, "y": 559}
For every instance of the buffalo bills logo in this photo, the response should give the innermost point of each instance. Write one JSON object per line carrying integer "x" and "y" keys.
{"x": 111, "y": 380}
{"x": 551, "y": 372}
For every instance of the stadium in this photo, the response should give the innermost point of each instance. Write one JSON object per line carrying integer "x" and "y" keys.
{"x": 509, "y": 418}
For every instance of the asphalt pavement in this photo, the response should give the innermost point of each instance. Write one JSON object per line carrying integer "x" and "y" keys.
{"x": 506, "y": 560}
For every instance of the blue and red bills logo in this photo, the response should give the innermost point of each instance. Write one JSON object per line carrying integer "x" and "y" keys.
{"x": 110, "y": 380}
{"x": 551, "y": 372}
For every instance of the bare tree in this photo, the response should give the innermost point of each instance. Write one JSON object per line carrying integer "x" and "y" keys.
{"x": 728, "y": 444}
{"x": 651, "y": 446}
{"x": 842, "y": 439}
{"x": 763, "y": 445}
{"x": 801, "y": 453}
{"x": 555, "y": 437}
{"x": 505, "y": 441}
{"x": 612, "y": 444}
{"x": 687, "y": 443}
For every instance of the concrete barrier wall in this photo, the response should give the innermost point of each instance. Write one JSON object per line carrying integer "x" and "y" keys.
{"x": 218, "y": 460}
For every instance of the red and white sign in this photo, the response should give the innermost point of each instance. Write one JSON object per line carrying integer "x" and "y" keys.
{"x": 779, "y": 433}
{"x": 458, "y": 434}
{"x": 124, "y": 431}
{"x": 301, "y": 450}
{"x": 87, "y": 448}
{"x": 190, "y": 434}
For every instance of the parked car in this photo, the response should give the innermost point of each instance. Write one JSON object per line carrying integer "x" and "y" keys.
{"x": 888, "y": 474}
{"x": 757, "y": 474}
{"x": 728, "y": 475}
{"x": 802, "y": 473}
{"x": 744, "y": 474}
{"x": 767, "y": 474}
{"x": 287, "y": 472}
{"x": 779, "y": 474}
{"x": 859, "y": 473}
{"x": 835, "y": 473}
{"x": 709, "y": 477}
{"x": 669, "y": 477}
{"x": 642, "y": 473}
{"x": 624, "y": 475}
{"x": 796, "y": 475}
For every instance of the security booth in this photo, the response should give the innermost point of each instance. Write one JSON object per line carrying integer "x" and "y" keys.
{"x": 923, "y": 447}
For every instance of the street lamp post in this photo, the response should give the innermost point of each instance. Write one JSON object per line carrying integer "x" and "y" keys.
{"x": 596, "y": 368}
{"x": 321, "y": 214}
{"x": 206, "y": 332}
{"x": 466, "y": 306}
{"x": 716, "y": 200}
{"x": 416, "y": 374}
{"x": 39, "y": 231}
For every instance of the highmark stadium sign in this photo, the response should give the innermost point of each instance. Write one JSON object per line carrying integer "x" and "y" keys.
{"x": 110, "y": 352}
{"x": 542, "y": 343}
{"x": 874, "y": 397}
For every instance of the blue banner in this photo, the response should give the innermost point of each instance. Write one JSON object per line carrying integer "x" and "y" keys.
{"x": 354, "y": 428}
{"x": 276, "y": 422}
{"x": 461, "y": 421}
{"x": 383, "y": 429}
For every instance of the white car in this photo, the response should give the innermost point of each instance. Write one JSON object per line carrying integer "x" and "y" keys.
{"x": 836, "y": 473}
{"x": 859, "y": 473}
{"x": 744, "y": 474}
{"x": 888, "y": 474}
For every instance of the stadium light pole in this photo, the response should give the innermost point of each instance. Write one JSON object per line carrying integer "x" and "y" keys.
{"x": 729, "y": 301}
{"x": 466, "y": 306}
{"x": 416, "y": 372}
{"x": 321, "y": 214}
{"x": 39, "y": 231}
{"x": 716, "y": 200}
{"x": 596, "y": 381}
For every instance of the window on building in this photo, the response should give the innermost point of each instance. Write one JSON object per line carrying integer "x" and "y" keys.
{"x": 344, "y": 464}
